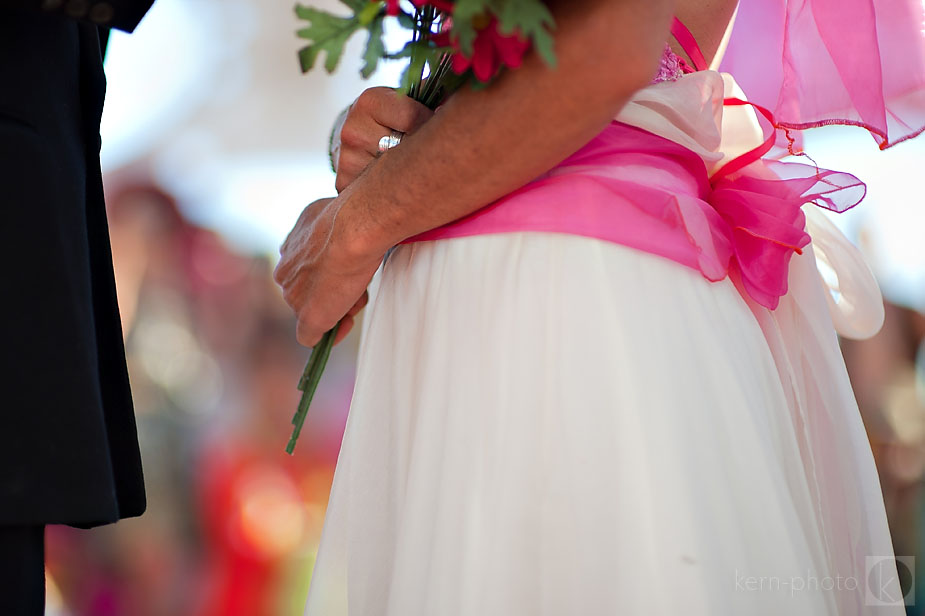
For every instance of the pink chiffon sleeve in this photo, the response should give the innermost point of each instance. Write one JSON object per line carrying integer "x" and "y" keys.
{"x": 820, "y": 62}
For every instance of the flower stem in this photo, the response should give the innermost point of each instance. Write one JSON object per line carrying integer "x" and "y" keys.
{"x": 311, "y": 376}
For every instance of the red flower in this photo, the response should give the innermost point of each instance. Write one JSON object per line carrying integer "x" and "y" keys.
{"x": 441, "y": 5}
{"x": 490, "y": 50}
{"x": 392, "y": 8}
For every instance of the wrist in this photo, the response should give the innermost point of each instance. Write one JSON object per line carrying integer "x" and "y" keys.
{"x": 360, "y": 231}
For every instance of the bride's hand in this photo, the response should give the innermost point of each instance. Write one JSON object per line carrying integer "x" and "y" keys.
{"x": 375, "y": 114}
{"x": 324, "y": 270}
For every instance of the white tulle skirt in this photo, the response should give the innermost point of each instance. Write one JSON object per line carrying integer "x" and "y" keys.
{"x": 548, "y": 425}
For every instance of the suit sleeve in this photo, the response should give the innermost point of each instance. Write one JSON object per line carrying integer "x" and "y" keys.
{"x": 120, "y": 14}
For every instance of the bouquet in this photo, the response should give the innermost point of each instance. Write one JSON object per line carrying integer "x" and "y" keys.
{"x": 452, "y": 43}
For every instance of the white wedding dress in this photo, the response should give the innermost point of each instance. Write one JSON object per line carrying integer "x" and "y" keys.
{"x": 548, "y": 425}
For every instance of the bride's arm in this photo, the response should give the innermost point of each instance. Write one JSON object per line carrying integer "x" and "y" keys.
{"x": 481, "y": 145}
{"x": 484, "y": 144}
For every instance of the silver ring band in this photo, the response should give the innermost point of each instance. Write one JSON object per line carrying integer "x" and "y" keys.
{"x": 390, "y": 141}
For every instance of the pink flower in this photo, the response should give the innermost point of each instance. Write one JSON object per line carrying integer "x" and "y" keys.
{"x": 490, "y": 50}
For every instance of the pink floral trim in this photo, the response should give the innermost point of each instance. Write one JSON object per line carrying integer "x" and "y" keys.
{"x": 670, "y": 67}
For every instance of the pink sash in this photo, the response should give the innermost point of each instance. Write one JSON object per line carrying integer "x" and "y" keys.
{"x": 635, "y": 188}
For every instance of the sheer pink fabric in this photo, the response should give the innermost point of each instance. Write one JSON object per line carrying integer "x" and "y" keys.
{"x": 819, "y": 62}
{"x": 638, "y": 189}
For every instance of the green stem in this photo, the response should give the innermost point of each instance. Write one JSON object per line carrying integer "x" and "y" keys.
{"x": 311, "y": 376}
{"x": 415, "y": 52}
{"x": 443, "y": 80}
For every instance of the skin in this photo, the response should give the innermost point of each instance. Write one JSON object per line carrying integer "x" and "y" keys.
{"x": 480, "y": 146}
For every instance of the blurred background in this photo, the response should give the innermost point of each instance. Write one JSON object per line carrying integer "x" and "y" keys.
{"x": 213, "y": 142}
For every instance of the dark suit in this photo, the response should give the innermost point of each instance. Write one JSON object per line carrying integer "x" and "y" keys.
{"x": 68, "y": 447}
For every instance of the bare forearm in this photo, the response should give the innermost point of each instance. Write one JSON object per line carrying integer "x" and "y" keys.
{"x": 484, "y": 144}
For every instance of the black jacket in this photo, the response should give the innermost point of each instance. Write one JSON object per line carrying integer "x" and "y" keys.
{"x": 68, "y": 445}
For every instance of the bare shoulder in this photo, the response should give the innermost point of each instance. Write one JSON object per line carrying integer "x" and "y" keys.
{"x": 707, "y": 20}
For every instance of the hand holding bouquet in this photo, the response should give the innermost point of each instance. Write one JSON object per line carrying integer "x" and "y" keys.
{"x": 452, "y": 43}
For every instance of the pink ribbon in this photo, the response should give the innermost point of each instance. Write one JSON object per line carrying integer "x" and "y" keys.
{"x": 638, "y": 189}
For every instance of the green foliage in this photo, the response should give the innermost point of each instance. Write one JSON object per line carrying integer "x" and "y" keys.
{"x": 325, "y": 32}
{"x": 530, "y": 17}
{"x": 464, "y": 13}
{"x": 329, "y": 34}
{"x": 420, "y": 53}
{"x": 357, "y": 5}
{"x": 406, "y": 21}
{"x": 375, "y": 48}
{"x": 533, "y": 20}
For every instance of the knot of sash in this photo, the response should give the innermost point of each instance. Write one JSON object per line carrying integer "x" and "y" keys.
{"x": 761, "y": 203}
{"x": 632, "y": 187}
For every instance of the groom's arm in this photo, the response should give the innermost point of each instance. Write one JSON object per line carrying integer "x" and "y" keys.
{"x": 121, "y": 14}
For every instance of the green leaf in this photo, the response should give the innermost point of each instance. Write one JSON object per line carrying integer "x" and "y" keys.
{"x": 475, "y": 85}
{"x": 411, "y": 76}
{"x": 375, "y": 48}
{"x": 404, "y": 82}
{"x": 412, "y": 48}
{"x": 406, "y": 21}
{"x": 307, "y": 56}
{"x": 368, "y": 13}
{"x": 421, "y": 53}
{"x": 404, "y": 52}
{"x": 325, "y": 32}
{"x": 358, "y": 5}
{"x": 532, "y": 19}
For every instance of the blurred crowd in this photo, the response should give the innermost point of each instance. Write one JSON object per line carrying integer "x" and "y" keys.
{"x": 888, "y": 376}
{"x": 233, "y": 522}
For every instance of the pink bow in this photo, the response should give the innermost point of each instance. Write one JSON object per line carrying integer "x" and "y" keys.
{"x": 761, "y": 201}
{"x": 635, "y": 188}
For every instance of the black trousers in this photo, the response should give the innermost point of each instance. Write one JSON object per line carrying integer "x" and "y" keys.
{"x": 22, "y": 570}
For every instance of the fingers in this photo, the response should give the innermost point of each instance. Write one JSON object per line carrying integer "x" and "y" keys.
{"x": 318, "y": 279}
{"x": 310, "y": 327}
{"x": 389, "y": 108}
{"x": 361, "y": 132}
{"x": 360, "y": 304}
{"x": 346, "y": 324}
{"x": 359, "y": 140}
{"x": 353, "y": 161}
{"x": 375, "y": 114}
{"x": 306, "y": 335}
